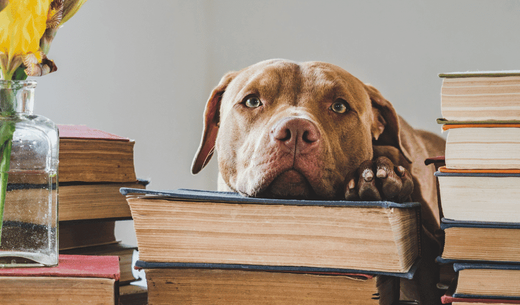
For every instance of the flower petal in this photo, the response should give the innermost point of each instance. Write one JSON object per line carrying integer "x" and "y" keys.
{"x": 22, "y": 23}
{"x": 71, "y": 7}
{"x": 38, "y": 67}
{"x": 55, "y": 14}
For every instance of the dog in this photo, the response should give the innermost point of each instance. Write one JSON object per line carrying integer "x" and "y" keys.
{"x": 312, "y": 130}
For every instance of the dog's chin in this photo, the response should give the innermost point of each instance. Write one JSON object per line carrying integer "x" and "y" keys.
{"x": 289, "y": 184}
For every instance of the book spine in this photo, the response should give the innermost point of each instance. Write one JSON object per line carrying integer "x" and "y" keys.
{"x": 419, "y": 230}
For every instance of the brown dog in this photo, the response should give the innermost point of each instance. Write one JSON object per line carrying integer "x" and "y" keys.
{"x": 312, "y": 130}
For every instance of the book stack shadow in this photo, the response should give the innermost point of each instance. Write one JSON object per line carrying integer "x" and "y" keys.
{"x": 479, "y": 186}
{"x": 220, "y": 248}
{"x": 93, "y": 166}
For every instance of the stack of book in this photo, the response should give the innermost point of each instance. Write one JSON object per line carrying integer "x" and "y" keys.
{"x": 93, "y": 166}
{"x": 220, "y": 248}
{"x": 479, "y": 186}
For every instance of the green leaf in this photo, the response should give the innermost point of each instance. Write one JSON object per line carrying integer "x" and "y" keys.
{"x": 6, "y": 133}
{"x": 19, "y": 74}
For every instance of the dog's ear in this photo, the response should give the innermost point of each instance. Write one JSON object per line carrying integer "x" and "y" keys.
{"x": 385, "y": 124}
{"x": 211, "y": 125}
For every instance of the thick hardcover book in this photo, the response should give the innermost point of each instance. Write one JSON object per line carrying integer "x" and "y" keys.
{"x": 490, "y": 196}
{"x": 91, "y": 155}
{"x": 78, "y": 279}
{"x": 482, "y": 146}
{"x": 79, "y": 201}
{"x": 134, "y": 295}
{"x": 124, "y": 252}
{"x": 479, "y": 241}
{"x": 190, "y": 226}
{"x": 493, "y": 95}
{"x": 88, "y": 201}
{"x": 488, "y": 281}
{"x": 79, "y": 234}
{"x": 191, "y": 283}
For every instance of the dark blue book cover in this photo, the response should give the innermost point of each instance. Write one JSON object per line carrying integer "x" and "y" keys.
{"x": 229, "y": 197}
{"x": 291, "y": 269}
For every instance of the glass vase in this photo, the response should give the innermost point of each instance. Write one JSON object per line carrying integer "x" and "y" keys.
{"x": 29, "y": 181}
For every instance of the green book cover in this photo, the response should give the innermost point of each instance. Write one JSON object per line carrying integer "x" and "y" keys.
{"x": 480, "y": 74}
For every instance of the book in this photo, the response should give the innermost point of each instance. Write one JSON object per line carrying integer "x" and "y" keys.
{"x": 448, "y": 298}
{"x": 236, "y": 286}
{"x": 82, "y": 201}
{"x": 79, "y": 201}
{"x": 92, "y": 155}
{"x": 78, "y": 279}
{"x": 133, "y": 295}
{"x": 486, "y": 196}
{"x": 492, "y": 281}
{"x": 477, "y": 241}
{"x": 192, "y": 226}
{"x": 123, "y": 251}
{"x": 482, "y": 146}
{"x": 486, "y": 95}
{"x": 74, "y": 235}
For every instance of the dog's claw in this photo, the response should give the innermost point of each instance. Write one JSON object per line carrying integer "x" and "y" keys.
{"x": 389, "y": 182}
{"x": 368, "y": 175}
{"x": 407, "y": 188}
{"x": 351, "y": 192}
{"x": 381, "y": 173}
{"x": 400, "y": 171}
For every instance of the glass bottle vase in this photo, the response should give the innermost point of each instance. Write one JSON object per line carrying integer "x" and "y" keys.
{"x": 29, "y": 181}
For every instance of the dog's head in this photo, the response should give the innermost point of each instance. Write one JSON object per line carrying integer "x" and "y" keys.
{"x": 289, "y": 130}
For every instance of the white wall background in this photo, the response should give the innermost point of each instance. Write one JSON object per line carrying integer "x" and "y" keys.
{"x": 144, "y": 69}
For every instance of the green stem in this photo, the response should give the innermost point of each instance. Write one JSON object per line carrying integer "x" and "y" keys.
{"x": 4, "y": 177}
{"x": 7, "y": 128}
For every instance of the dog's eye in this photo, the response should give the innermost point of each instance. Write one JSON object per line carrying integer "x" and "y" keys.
{"x": 253, "y": 102}
{"x": 340, "y": 106}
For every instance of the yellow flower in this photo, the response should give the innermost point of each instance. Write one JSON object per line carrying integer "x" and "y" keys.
{"x": 27, "y": 28}
{"x": 22, "y": 24}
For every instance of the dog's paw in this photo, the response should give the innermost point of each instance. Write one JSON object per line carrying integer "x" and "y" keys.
{"x": 380, "y": 179}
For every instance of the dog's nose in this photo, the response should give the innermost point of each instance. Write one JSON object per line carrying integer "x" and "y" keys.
{"x": 295, "y": 134}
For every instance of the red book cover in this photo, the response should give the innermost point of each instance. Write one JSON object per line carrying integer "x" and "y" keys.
{"x": 84, "y": 132}
{"x": 73, "y": 266}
